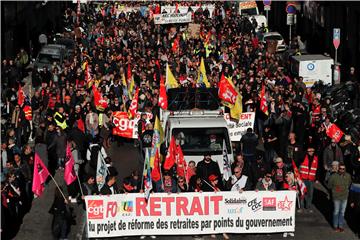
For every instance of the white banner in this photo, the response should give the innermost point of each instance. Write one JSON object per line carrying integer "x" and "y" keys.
{"x": 236, "y": 130}
{"x": 167, "y": 18}
{"x": 190, "y": 213}
{"x": 185, "y": 9}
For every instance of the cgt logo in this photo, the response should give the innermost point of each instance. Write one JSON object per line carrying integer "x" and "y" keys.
{"x": 95, "y": 209}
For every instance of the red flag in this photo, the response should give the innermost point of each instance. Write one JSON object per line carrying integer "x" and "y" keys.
{"x": 21, "y": 96}
{"x": 155, "y": 172}
{"x": 226, "y": 91}
{"x": 69, "y": 172}
{"x": 81, "y": 125}
{"x": 163, "y": 102}
{"x": 301, "y": 184}
{"x": 176, "y": 7}
{"x": 175, "y": 45}
{"x": 263, "y": 103}
{"x": 334, "y": 132}
{"x": 129, "y": 73}
{"x": 181, "y": 165}
{"x": 170, "y": 156}
{"x": 99, "y": 101}
{"x": 134, "y": 104}
{"x": 41, "y": 173}
{"x": 157, "y": 63}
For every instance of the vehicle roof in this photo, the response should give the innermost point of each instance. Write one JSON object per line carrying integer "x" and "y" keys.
{"x": 65, "y": 41}
{"x": 50, "y": 50}
{"x": 271, "y": 34}
{"x": 197, "y": 122}
{"x": 311, "y": 57}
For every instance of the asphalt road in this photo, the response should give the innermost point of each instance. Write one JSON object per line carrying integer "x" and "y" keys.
{"x": 37, "y": 223}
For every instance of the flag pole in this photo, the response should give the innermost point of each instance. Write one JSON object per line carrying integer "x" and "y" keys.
{"x": 78, "y": 180}
{"x": 209, "y": 184}
{"x": 57, "y": 185}
{"x": 142, "y": 175}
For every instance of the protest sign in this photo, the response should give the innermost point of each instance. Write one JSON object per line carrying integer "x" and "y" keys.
{"x": 334, "y": 132}
{"x": 167, "y": 18}
{"x": 125, "y": 127}
{"x": 237, "y": 129}
{"x": 190, "y": 213}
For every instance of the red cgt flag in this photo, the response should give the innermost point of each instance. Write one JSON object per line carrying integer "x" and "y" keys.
{"x": 334, "y": 132}
{"x": 99, "y": 101}
{"x": 175, "y": 45}
{"x": 155, "y": 172}
{"x": 301, "y": 184}
{"x": 41, "y": 173}
{"x": 227, "y": 91}
{"x": 163, "y": 101}
{"x": 134, "y": 104}
{"x": 21, "y": 96}
{"x": 263, "y": 103}
{"x": 181, "y": 165}
{"x": 171, "y": 154}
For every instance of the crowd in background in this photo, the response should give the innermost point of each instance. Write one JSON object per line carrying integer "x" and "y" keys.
{"x": 109, "y": 40}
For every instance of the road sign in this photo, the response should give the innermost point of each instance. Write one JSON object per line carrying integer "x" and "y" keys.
{"x": 336, "y": 38}
{"x": 267, "y": 3}
{"x": 290, "y": 8}
{"x": 267, "y": 7}
{"x": 290, "y": 19}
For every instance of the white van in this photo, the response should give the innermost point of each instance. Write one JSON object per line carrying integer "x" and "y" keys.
{"x": 248, "y": 8}
{"x": 194, "y": 129}
{"x": 312, "y": 67}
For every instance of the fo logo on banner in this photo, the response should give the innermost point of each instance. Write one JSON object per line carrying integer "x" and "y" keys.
{"x": 95, "y": 209}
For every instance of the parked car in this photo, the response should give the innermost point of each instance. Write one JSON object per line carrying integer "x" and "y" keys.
{"x": 48, "y": 55}
{"x": 281, "y": 46}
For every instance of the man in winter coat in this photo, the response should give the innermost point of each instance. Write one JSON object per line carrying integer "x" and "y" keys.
{"x": 339, "y": 184}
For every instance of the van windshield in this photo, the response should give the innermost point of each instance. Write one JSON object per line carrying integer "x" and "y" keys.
{"x": 48, "y": 58}
{"x": 249, "y": 11}
{"x": 198, "y": 141}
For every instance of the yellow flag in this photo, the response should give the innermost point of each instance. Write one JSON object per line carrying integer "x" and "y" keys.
{"x": 124, "y": 80}
{"x": 158, "y": 137}
{"x": 170, "y": 79}
{"x": 237, "y": 109}
{"x": 202, "y": 78}
{"x": 131, "y": 88}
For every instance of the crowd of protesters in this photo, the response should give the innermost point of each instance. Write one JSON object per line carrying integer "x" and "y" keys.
{"x": 110, "y": 40}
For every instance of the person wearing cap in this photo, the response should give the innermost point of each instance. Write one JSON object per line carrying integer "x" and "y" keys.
{"x": 208, "y": 167}
{"x": 213, "y": 185}
{"x": 339, "y": 184}
{"x": 309, "y": 172}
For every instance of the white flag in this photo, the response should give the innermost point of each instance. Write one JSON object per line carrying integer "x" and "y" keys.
{"x": 101, "y": 171}
{"x": 226, "y": 168}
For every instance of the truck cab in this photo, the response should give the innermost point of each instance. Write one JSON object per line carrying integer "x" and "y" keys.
{"x": 199, "y": 132}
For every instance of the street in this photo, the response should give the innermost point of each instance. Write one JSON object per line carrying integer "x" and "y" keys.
{"x": 37, "y": 223}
